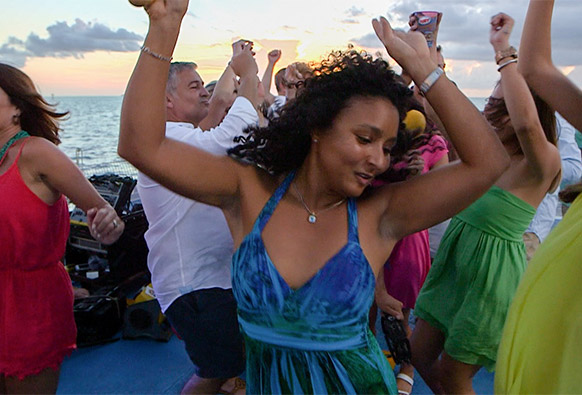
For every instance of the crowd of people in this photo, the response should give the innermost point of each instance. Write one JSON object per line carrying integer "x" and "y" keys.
{"x": 292, "y": 218}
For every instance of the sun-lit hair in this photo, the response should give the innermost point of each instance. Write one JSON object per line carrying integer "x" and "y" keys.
{"x": 37, "y": 116}
{"x": 304, "y": 68}
{"x": 283, "y": 145}
{"x": 175, "y": 69}
{"x": 497, "y": 115}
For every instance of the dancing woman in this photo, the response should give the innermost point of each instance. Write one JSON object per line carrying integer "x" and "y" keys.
{"x": 308, "y": 247}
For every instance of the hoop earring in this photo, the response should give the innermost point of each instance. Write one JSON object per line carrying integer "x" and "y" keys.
{"x": 315, "y": 140}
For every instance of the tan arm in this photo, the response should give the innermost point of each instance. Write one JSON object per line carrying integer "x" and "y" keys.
{"x": 142, "y": 138}
{"x": 541, "y": 156}
{"x": 536, "y": 64}
{"x": 433, "y": 197}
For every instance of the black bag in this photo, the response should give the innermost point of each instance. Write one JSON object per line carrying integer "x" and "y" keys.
{"x": 98, "y": 319}
{"x": 396, "y": 338}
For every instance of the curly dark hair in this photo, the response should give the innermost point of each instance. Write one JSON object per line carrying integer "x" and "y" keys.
{"x": 284, "y": 144}
{"x": 37, "y": 117}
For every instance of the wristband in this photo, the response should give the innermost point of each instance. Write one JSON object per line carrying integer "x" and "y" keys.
{"x": 430, "y": 80}
{"x": 502, "y": 65}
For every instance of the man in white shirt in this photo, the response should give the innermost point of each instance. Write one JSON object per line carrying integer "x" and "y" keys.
{"x": 190, "y": 246}
{"x": 550, "y": 210}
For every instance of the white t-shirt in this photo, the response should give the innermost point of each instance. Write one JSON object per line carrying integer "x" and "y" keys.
{"x": 550, "y": 210}
{"x": 275, "y": 108}
{"x": 190, "y": 246}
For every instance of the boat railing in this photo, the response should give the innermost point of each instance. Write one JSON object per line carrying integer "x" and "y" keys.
{"x": 119, "y": 166}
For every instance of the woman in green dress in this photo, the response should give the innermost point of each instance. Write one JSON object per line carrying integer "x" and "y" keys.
{"x": 464, "y": 302}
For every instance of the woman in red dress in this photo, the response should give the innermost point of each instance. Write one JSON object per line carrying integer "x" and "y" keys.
{"x": 37, "y": 327}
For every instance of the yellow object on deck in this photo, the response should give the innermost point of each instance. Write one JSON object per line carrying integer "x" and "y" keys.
{"x": 388, "y": 356}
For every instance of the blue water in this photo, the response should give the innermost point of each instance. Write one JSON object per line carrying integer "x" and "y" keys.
{"x": 90, "y": 135}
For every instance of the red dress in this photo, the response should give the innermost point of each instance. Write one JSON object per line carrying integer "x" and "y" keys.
{"x": 37, "y": 327}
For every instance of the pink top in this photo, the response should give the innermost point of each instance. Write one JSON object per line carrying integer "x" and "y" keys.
{"x": 409, "y": 262}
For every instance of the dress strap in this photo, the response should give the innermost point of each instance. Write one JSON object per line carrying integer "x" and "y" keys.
{"x": 268, "y": 209}
{"x": 9, "y": 143}
{"x": 353, "y": 235}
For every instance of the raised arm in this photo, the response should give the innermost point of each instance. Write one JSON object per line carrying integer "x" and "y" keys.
{"x": 221, "y": 100}
{"x": 225, "y": 91}
{"x": 273, "y": 57}
{"x": 541, "y": 156}
{"x": 179, "y": 167}
{"x": 428, "y": 199}
{"x": 538, "y": 69}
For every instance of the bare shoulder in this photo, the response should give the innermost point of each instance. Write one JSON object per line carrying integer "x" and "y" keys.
{"x": 37, "y": 147}
{"x": 41, "y": 155}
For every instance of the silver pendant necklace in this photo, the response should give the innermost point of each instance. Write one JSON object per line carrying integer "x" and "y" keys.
{"x": 312, "y": 217}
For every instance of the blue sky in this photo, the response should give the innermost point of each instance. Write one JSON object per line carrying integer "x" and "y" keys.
{"x": 81, "y": 47}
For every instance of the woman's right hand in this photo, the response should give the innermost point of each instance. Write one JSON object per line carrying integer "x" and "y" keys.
{"x": 501, "y": 27}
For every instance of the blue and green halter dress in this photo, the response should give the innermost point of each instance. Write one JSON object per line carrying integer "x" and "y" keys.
{"x": 314, "y": 339}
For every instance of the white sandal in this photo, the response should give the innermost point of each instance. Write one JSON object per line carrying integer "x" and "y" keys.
{"x": 408, "y": 379}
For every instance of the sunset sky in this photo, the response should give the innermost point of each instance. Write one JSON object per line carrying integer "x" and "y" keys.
{"x": 82, "y": 47}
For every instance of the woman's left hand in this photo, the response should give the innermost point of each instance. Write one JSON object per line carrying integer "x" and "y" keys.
{"x": 104, "y": 224}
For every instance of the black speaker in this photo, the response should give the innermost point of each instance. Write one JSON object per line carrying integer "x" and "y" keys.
{"x": 94, "y": 265}
{"x": 145, "y": 320}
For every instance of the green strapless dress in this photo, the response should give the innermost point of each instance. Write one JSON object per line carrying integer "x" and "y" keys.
{"x": 475, "y": 274}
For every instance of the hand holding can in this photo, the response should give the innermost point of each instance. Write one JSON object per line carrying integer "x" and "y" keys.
{"x": 426, "y": 22}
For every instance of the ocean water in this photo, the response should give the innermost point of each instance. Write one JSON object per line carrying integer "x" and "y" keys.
{"x": 89, "y": 136}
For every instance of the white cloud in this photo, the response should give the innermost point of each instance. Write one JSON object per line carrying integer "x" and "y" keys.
{"x": 70, "y": 41}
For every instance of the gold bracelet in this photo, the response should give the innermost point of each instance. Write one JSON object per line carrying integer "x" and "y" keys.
{"x": 510, "y": 52}
{"x": 147, "y": 50}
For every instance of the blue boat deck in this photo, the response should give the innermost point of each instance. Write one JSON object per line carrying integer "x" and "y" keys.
{"x": 151, "y": 367}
